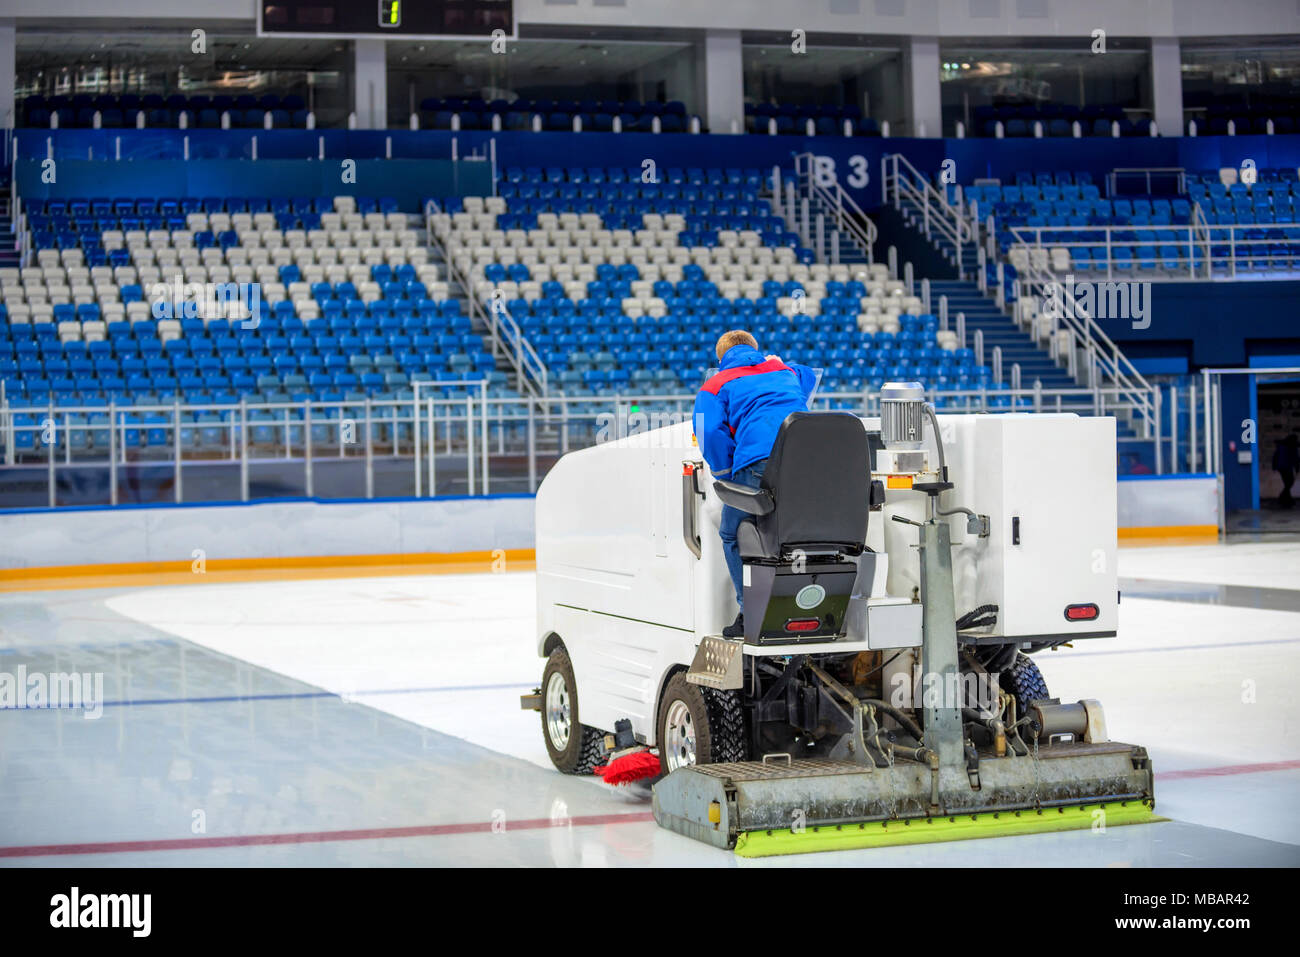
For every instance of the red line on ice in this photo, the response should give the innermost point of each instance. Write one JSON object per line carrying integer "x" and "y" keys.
{"x": 1229, "y": 769}
{"x": 482, "y": 827}
{"x": 318, "y": 837}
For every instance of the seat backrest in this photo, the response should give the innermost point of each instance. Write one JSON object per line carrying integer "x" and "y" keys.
{"x": 819, "y": 475}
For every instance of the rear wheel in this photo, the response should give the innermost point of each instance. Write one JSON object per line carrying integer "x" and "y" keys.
{"x": 700, "y": 725}
{"x": 573, "y": 747}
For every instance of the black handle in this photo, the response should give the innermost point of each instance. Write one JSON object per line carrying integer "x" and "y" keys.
{"x": 1015, "y": 530}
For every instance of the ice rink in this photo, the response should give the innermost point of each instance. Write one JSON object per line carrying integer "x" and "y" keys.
{"x": 376, "y": 721}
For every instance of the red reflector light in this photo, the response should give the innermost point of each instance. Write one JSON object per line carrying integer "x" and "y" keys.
{"x": 803, "y": 624}
{"x": 1081, "y": 612}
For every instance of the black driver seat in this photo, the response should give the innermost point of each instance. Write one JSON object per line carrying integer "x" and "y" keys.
{"x": 809, "y": 521}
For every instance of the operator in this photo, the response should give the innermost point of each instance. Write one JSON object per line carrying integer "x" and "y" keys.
{"x": 737, "y": 414}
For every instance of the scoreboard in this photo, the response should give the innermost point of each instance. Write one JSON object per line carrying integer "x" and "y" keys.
{"x": 397, "y": 18}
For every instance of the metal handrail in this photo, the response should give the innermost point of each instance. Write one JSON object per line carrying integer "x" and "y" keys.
{"x": 1201, "y": 227}
{"x": 846, "y": 215}
{"x": 904, "y": 182}
{"x": 1112, "y": 178}
{"x": 526, "y": 356}
{"x": 17, "y": 218}
{"x": 1192, "y": 238}
{"x": 507, "y": 337}
{"x": 1103, "y": 356}
{"x": 508, "y": 407}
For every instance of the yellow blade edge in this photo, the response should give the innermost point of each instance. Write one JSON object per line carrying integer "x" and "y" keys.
{"x": 926, "y": 830}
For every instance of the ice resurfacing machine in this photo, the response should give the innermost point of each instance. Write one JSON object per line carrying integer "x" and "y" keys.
{"x": 896, "y": 580}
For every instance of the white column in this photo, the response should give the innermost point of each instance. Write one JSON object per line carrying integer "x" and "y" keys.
{"x": 921, "y": 76}
{"x": 1167, "y": 85}
{"x": 723, "y": 86}
{"x": 370, "y": 83}
{"x": 8, "y": 66}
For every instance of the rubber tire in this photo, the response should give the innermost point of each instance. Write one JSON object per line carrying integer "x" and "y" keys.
{"x": 719, "y": 719}
{"x": 586, "y": 748}
{"x": 1025, "y": 682}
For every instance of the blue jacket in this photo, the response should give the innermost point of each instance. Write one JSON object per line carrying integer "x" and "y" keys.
{"x": 739, "y": 410}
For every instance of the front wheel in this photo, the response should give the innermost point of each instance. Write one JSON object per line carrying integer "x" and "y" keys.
{"x": 573, "y": 747}
{"x": 700, "y": 726}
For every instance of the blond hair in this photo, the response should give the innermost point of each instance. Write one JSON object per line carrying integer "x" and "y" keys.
{"x": 736, "y": 337}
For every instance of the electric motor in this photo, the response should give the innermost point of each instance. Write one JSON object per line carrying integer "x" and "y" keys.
{"x": 902, "y": 415}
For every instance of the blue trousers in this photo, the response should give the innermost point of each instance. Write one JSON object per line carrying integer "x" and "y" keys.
{"x": 751, "y": 475}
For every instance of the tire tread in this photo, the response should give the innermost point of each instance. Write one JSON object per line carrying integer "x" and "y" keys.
{"x": 729, "y": 739}
{"x": 1025, "y": 682}
{"x": 591, "y": 741}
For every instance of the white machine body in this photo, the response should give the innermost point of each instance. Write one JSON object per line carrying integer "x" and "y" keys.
{"x": 620, "y": 585}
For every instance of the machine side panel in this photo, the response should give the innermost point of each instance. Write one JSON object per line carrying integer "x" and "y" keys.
{"x": 606, "y": 518}
{"x": 619, "y": 665}
{"x": 615, "y": 579}
{"x": 1053, "y": 528}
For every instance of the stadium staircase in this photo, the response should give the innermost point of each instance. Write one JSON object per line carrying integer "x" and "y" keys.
{"x": 987, "y": 311}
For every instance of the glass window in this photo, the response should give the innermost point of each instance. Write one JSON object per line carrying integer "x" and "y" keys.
{"x": 863, "y": 83}
{"x": 99, "y": 76}
{"x": 1245, "y": 81}
{"x": 593, "y": 76}
{"x": 1044, "y": 81}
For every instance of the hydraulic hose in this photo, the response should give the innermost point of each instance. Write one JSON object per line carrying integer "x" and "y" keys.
{"x": 976, "y": 617}
{"x": 910, "y": 726}
{"x": 938, "y": 441}
{"x": 943, "y": 474}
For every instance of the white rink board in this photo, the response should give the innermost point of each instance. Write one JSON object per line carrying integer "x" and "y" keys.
{"x": 266, "y": 530}
{"x": 1165, "y": 500}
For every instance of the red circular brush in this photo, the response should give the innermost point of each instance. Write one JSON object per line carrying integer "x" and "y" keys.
{"x": 629, "y": 768}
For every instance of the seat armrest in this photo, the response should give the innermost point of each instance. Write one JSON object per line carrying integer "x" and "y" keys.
{"x": 755, "y": 501}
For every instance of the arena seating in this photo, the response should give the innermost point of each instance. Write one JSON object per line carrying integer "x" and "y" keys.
{"x": 792, "y": 119}
{"x": 1059, "y": 209}
{"x": 202, "y": 111}
{"x": 556, "y": 115}
{"x": 1248, "y": 115}
{"x": 349, "y": 307}
{"x": 1057, "y": 119}
{"x": 620, "y": 279}
{"x": 629, "y": 294}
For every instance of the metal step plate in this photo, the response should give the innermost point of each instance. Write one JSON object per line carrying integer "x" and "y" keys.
{"x": 718, "y": 663}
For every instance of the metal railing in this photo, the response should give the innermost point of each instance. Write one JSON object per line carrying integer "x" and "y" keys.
{"x": 1197, "y": 250}
{"x": 14, "y": 209}
{"x": 832, "y": 200}
{"x": 903, "y": 184}
{"x": 1092, "y": 355}
{"x": 427, "y": 444}
{"x": 1178, "y": 173}
{"x": 504, "y": 333}
{"x": 290, "y": 441}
